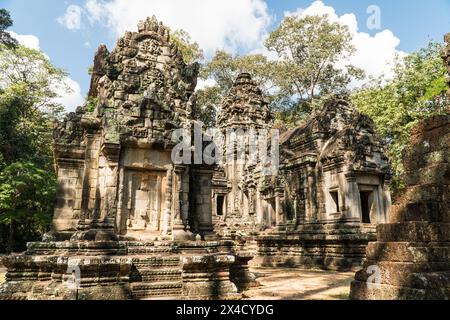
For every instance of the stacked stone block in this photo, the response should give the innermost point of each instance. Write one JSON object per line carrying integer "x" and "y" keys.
{"x": 411, "y": 258}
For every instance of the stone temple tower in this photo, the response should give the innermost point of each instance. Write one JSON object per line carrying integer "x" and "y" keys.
{"x": 113, "y": 158}
{"x": 244, "y": 109}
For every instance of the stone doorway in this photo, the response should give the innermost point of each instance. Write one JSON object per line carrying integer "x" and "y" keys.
{"x": 271, "y": 212}
{"x": 366, "y": 205}
{"x": 144, "y": 200}
{"x": 220, "y": 205}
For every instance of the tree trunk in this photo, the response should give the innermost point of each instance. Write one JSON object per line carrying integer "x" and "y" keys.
{"x": 12, "y": 228}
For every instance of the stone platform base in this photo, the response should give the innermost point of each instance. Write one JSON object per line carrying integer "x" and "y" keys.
{"x": 330, "y": 247}
{"x": 127, "y": 270}
{"x": 422, "y": 286}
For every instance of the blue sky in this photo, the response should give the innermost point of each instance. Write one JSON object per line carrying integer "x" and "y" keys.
{"x": 70, "y": 37}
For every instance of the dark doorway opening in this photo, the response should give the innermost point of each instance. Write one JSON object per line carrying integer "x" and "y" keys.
{"x": 365, "y": 206}
{"x": 335, "y": 197}
{"x": 220, "y": 202}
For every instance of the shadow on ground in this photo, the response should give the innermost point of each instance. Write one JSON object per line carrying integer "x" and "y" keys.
{"x": 296, "y": 284}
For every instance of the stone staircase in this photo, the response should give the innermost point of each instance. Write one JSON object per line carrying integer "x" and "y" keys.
{"x": 157, "y": 271}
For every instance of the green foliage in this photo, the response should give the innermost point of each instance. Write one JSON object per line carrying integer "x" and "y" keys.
{"x": 224, "y": 69}
{"x": 91, "y": 104}
{"x": 190, "y": 50}
{"x": 27, "y": 195}
{"x": 208, "y": 100}
{"x": 309, "y": 49}
{"x": 28, "y": 85}
{"x": 417, "y": 91}
{"x": 5, "y": 23}
{"x": 91, "y": 70}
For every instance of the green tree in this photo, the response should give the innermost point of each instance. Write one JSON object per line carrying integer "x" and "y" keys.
{"x": 417, "y": 91}
{"x": 28, "y": 85}
{"x": 223, "y": 69}
{"x": 190, "y": 50}
{"x": 309, "y": 49}
{"x": 27, "y": 196}
{"x": 5, "y": 23}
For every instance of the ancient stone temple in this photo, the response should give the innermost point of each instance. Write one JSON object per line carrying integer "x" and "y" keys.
{"x": 114, "y": 162}
{"x": 132, "y": 223}
{"x": 410, "y": 259}
{"x": 128, "y": 222}
{"x": 321, "y": 207}
{"x": 244, "y": 109}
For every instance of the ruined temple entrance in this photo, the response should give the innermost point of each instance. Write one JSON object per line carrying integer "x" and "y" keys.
{"x": 366, "y": 198}
{"x": 220, "y": 205}
{"x": 144, "y": 199}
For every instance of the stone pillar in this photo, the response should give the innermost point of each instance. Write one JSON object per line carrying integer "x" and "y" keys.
{"x": 381, "y": 214}
{"x": 259, "y": 209}
{"x": 342, "y": 205}
{"x": 296, "y": 211}
{"x": 214, "y": 205}
{"x": 387, "y": 202}
{"x": 202, "y": 192}
{"x": 352, "y": 197}
{"x": 310, "y": 210}
{"x": 168, "y": 203}
{"x": 180, "y": 228}
{"x": 121, "y": 219}
{"x": 85, "y": 197}
{"x": 280, "y": 219}
{"x": 110, "y": 154}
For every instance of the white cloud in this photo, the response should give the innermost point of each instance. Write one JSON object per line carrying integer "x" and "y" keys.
{"x": 374, "y": 54}
{"x": 72, "y": 18}
{"x": 202, "y": 84}
{"x": 28, "y": 40}
{"x": 230, "y": 25}
{"x": 70, "y": 100}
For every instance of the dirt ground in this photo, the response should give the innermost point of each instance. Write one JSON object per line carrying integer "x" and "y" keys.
{"x": 2, "y": 274}
{"x": 296, "y": 284}
{"x": 292, "y": 284}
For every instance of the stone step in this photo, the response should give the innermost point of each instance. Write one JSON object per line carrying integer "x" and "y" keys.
{"x": 398, "y": 273}
{"x": 145, "y": 290}
{"x": 157, "y": 261}
{"x": 158, "y": 275}
{"x": 169, "y": 294}
{"x": 149, "y": 250}
{"x": 414, "y": 232}
{"x": 360, "y": 291}
{"x": 407, "y": 252}
{"x": 432, "y": 211}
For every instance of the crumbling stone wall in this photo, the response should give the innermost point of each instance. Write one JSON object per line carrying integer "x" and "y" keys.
{"x": 411, "y": 254}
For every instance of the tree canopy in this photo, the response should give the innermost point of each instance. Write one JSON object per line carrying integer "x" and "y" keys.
{"x": 308, "y": 51}
{"x": 5, "y": 23}
{"x": 417, "y": 91}
{"x": 28, "y": 85}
